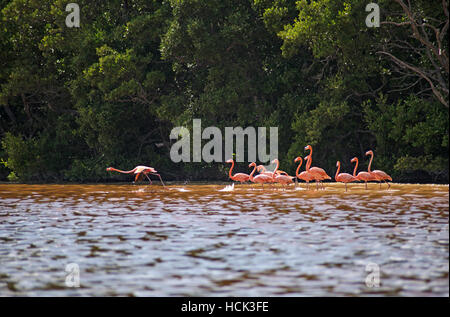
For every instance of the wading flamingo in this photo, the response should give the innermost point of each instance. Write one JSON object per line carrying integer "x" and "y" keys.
{"x": 318, "y": 173}
{"x": 377, "y": 174}
{"x": 362, "y": 176}
{"x": 261, "y": 178}
{"x": 238, "y": 177}
{"x": 276, "y": 171}
{"x": 279, "y": 176}
{"x": 262, "y": 170}
{"x": 343, "y": 177}
{"x": 139, "y": 171}
{"x": 305, "y": 175}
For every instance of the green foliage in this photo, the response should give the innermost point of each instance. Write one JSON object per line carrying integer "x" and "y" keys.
{"x": 74, "y": 101}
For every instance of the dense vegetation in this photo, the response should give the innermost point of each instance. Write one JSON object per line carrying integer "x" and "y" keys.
{"x": 76, "y": 100}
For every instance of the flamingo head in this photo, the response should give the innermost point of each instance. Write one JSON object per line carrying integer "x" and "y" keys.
{"x": 229, "y": 161}
{"x": 109, "y": 169}
{"x": 370, "y": 152}
{"x": 298, "y": 158}
{"x": 252, "y": 164}
{"x": 338, "y": 163}
{"x": 275, "y": 161}
{"x": 306, "y": 157}
{"x": 308, "y": 147}
{"x": 260, "y": 168}
{"x": 355, "y": 159}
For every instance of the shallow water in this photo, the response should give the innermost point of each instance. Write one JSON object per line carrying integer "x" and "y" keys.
{"x": 195, "y": 240}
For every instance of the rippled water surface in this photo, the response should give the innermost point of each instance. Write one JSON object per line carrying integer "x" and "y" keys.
{"x": 195, "y": 240}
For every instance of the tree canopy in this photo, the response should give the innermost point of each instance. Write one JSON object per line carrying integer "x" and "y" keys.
{"x": 76, "y": 100}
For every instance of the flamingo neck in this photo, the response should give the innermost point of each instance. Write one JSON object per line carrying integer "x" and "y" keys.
{"x": 253, "y": 172}
{"x": 338, "y": 169}
{"x": 310, "y": 157}
{"x": 370, "y": 163}
{"x": 298, "y": 168}
{"x": 308, "y": 162}
{"x": 231, "y": 169}
{"x": 276, "y": 169}
{"x": 124, "y": 172}
{"x": 356, "y": 167}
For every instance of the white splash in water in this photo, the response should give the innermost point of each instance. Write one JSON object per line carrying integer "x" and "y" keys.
{"x": 228, "y": 188}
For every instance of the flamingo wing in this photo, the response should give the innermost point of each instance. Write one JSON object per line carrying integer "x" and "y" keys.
{"x": 241, "y": 177}
{"x": 382, "y": 175}
{"x": 364, "y": 176}
{"x": 345, "y": 178}
{"x": 319, "y": 173}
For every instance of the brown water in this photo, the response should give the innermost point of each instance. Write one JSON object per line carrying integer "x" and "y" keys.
{"x": 195, "y": 240}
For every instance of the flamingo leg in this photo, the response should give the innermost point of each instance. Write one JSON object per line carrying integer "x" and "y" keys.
{"x": 148, "y": 179}
{"x": 159, "y": 178}
{"x": 389, "y": 185}
{"x": 345, "y": 186}
{"x": 137, "y": 178}
{"x": 366, "y": 184}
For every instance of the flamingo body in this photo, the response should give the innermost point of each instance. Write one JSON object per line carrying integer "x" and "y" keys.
{"x": 140, "y": 170}
{"x": 284, "y": 179}
{"x": 238, "y": 177}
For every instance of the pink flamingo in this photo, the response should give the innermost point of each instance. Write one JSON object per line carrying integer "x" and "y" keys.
{"x": 279, "y": 176}
{"x": 262, "y": 170}
{"x": 362, "y": 176}
{"x": 139, "y": 171}
{"x": 261, "y": 178}
{"x": 318, "y": 173}
{"x": 239, "y": 177}
{"x": 343, "y": 177}
{"x": 377, "y": 174}
{"x": 305, "y": 175}
{"x": 275, "y": 172}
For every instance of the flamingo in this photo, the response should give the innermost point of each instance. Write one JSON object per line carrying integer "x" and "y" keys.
{"x": 362, "y": 176}
{"x": 305, "y": 175}
{"x": 318, "y": 173}
{"x": 280, "y": 176}
{"x": 343, "y": 177}
{"x": 239, "y": 177}
{"x": 377, "y": 174}
{"x": 283, "y": 178}
{"x": 261, "y": 178}
{"x": 262, "y": 170}
{"x": 139, "y": 171}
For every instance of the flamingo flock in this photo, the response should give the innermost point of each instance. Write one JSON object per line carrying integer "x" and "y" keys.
{"x": 310, "y": 174}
